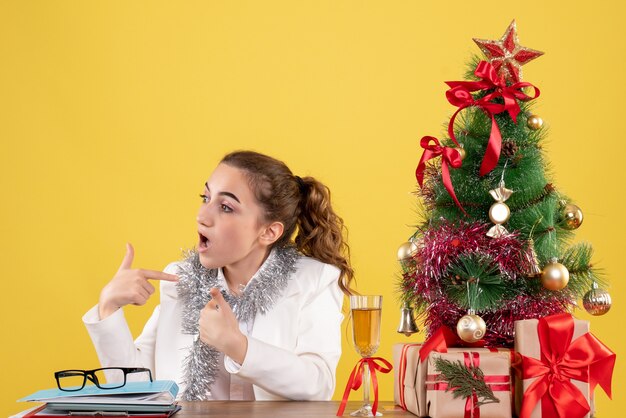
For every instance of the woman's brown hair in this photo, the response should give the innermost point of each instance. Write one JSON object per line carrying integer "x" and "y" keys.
{"x": 301, "y": 204}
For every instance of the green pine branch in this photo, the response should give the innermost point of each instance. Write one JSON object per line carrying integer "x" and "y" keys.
{"x": 577, "y": 260}
{"x": 474, "y": 281}
{"x": 465, "y": 380}
{"x": 471, "y": 66}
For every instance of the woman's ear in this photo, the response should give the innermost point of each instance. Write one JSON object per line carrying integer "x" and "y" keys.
{"x": 272, "y": 233}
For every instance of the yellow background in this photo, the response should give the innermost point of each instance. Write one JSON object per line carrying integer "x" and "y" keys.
{"x": 113, "y": 114}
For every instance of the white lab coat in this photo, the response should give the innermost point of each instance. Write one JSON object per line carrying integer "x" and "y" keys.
{"x": 293, "y": 349}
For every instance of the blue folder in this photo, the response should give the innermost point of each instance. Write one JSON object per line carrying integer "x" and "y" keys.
{"x": 159, "y": 392}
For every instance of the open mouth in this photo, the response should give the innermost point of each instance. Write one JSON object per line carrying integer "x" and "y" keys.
{"x": 203, "y": 242}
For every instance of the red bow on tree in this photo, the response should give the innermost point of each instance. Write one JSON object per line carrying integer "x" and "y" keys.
{"x": 449, "y": 156}
{"x": 586, "y": 360}
{"x": 460, "y": 94}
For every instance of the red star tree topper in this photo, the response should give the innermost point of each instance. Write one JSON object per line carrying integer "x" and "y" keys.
{"x": 506, "y": 54}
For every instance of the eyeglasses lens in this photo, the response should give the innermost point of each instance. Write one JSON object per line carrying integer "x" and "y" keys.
{"x": 71, "y": 380}
{"x": 110, "y": 378}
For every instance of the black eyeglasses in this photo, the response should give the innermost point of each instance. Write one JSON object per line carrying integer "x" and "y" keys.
{"x": 115, "y": 377}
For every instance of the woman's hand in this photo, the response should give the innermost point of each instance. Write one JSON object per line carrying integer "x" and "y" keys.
{"x": 219, "y": 328}
{"x": 129, "y": 286}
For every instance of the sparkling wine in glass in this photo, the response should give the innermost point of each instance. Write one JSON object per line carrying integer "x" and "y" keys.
{"x": 366, "y": 313}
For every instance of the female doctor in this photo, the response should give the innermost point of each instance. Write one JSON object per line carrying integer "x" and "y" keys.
{"x": 250, "y": 314}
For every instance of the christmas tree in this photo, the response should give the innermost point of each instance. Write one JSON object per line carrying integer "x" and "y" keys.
{"x": 496, "y": 242}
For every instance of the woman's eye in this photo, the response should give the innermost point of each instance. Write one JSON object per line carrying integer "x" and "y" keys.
{"x": 227, "y": 208}
{"x": 205, "y": 198}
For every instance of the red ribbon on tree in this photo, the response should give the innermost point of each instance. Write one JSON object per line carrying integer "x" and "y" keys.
{"x": 356, "y": 379}
{"x": 460, "y": 94}
{"x": 449, "y": 156}
{"x": 586, "y": 360}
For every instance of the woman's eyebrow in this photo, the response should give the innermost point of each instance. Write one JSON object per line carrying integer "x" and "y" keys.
{"x": 229, "y": 194}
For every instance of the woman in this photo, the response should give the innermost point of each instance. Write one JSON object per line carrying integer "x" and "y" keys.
{"x": 251, "y": 314}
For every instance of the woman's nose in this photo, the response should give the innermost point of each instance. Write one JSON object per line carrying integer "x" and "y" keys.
{"x": 204, "y": 215}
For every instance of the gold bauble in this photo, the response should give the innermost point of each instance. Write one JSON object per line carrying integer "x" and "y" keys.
{"x": 534, "y": 122}
{"x": 462, "y": 152}
{"x": 471, "y": 328}
{"x": 406, "y": 251}
{"x": 499, "y": 213}
{"x": 597, "y": 301}
{"x": 572, "y": 216}
{"x": 554, "y": 276}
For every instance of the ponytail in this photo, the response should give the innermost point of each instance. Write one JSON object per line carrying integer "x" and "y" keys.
{"x": 321, "y": 231}
{"x": 300, "y": 204}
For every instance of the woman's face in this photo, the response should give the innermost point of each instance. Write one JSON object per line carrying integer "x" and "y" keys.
{"x": 229, "y": 222}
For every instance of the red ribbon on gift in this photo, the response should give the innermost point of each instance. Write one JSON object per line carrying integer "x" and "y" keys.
{"x": 356, "y": 379}
{"x": 586, "y": 359}
{"x": 472, "y": 410}
{"x": 449, "y": 156}
{"x": 460, "y": 95}
{"x": 402, "y": 373}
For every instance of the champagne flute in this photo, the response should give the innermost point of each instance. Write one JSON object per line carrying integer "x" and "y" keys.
{"x": 366, "y": 313}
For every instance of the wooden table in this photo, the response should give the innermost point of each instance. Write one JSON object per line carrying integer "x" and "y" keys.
{"x": 278, "y": 409}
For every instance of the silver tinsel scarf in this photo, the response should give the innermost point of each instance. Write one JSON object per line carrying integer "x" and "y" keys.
{"x": 259, "y": 296}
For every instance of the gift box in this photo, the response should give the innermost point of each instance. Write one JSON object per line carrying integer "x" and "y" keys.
{"x": 407, "y": 368}
{"x": 561, "y": 362}
{"x": 441, "y": 393}
{"x": 411, "y": 369}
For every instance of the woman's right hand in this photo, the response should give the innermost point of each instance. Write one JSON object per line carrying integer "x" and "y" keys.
{"x": 129, "y": 286}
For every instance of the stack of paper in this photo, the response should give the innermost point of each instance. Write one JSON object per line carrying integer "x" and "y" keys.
{"x": 141, "y": 399}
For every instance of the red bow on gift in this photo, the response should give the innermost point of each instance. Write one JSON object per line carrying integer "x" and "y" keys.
{"x": 586, "y": 360}
{"x": 460, "y": 94}
{"x": 356, "y": 379}
{"x": 443, "y": 338}
{"x": 449, "y": 156}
